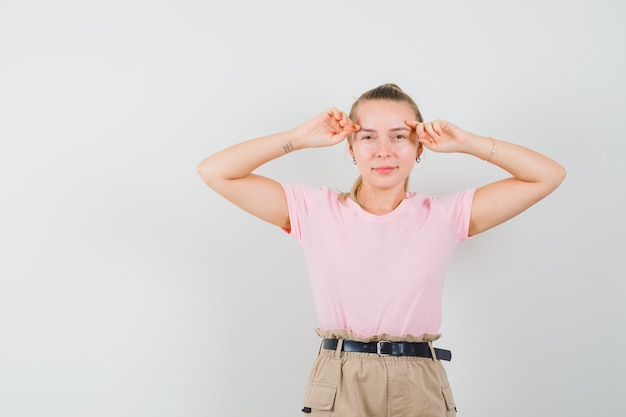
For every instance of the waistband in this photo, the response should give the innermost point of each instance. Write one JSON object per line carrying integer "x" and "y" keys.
{"x": 346, "y": 334}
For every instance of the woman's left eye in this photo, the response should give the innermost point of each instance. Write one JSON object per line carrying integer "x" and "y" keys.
{"x": 399, "y": 137}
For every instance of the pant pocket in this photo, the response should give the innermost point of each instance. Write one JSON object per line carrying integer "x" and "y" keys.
{"x": 319, "y": 398}
{"x": 449, "y": 399}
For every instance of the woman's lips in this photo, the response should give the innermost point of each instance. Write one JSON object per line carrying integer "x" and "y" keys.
{"x": 384, "y": 169}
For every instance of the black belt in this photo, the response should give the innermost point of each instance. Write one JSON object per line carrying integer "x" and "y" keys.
{"x": 385, "y": 348}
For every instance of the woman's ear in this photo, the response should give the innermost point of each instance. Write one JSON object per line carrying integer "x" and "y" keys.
{"x": 420, "y": 149}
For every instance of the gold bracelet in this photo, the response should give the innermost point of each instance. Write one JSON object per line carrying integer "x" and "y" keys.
{"x": 493, "y": 150}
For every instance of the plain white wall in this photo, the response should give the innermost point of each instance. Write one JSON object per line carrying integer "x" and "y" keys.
{"x": 128, "y": 288}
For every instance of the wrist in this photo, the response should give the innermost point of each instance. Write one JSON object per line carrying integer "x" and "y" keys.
{"x": 492, "y": 151}
{"x": 483, "y": 147}
{"x": 292, "y": 140}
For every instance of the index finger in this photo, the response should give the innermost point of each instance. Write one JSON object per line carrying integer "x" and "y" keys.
{"x": 411, "y": 123}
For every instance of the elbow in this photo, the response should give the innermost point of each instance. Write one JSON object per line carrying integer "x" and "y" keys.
{"x": 212, "y": 174}
{"x": 200, "y": 169}
{"x": 204, "y": 171}
{"x": 558, "y": 176}
{"x": 561, "y": 174}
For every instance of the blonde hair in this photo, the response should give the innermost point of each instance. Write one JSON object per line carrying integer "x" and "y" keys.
{"x": 388, "y": 91}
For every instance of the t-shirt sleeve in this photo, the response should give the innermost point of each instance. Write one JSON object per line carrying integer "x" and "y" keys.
{"x": 457, "y": 207}
{"x": 296, "y": 202}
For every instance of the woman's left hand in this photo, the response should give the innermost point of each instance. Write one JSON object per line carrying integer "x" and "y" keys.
{"x": 439, "y": 135}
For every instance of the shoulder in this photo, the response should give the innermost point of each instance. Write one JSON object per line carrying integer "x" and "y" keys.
{"x": 299, "y": 193}
{"x": 308, "y": 190}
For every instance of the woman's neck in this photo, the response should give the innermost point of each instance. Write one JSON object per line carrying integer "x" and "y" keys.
{"x": 380, "y": 202}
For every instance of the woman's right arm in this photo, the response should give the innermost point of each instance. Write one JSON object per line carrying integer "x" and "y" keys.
{"x": 230, "y": 171}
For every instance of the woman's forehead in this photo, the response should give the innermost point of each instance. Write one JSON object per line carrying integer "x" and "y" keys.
{"x": 380, "y": 113}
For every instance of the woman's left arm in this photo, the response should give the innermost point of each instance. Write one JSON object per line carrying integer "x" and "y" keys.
{"x": 534, "y": 175}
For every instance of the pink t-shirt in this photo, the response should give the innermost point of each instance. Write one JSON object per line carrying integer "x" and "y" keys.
{"x": 373, "y": 274}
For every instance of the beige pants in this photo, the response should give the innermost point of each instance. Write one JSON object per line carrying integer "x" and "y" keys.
{"x": 350, "y": 384}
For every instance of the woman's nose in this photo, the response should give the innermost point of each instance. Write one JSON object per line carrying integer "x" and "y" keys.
{"x": 383, "y": 149}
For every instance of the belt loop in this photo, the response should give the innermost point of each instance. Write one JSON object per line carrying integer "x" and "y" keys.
{"x": 339, "y": 348}
{"x": 432, "y": 351}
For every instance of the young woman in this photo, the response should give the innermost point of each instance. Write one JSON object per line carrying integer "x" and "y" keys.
{"x": 377, "y": 256}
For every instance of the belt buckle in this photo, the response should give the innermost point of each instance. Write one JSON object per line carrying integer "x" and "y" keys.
{"x": 379, "y": 347}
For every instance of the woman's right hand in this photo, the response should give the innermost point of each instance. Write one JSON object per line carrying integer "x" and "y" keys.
{"x": 326, "y": 129}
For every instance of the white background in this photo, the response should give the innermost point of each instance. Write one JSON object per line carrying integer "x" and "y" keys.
{"x": 128, "y": 288}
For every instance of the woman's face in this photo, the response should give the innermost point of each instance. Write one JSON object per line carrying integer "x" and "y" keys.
{"x": 385, "y": 148}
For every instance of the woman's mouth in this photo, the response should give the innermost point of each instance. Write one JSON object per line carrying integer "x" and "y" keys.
{"x": 384, "y": 170}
